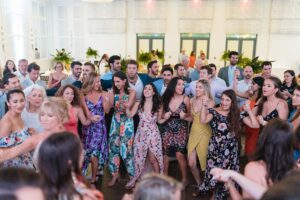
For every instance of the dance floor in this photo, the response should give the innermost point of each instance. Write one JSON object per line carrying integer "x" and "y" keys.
{"x": 117, "y": 192}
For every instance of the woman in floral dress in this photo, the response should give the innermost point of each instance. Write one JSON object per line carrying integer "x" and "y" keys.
{"x": 223, "y": 145}
{"x": 147, "y": 141}
{"x": 176, "y": 109}
{"x": 121, "y": 133}
{"x": 13, "y": 131}
{"x": 95, "y": 135}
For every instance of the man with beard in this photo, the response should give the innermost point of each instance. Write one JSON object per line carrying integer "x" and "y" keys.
{"x": 87, "y": 68}
{"x": 76, "y": 68}
{"x": 152, "y": 74}
{"x": 228, "y": 73}
{"x": 114, "y": 63}
{"x": 162, "y": 84}
{"x": 245, "y": 84}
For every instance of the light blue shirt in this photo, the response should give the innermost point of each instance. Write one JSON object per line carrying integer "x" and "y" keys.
{"x": 231, "y": 74}
{"x": 2, "y": 104}
{"x": 194, "y": 75}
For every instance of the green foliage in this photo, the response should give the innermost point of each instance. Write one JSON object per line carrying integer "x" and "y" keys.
{"x": 123, "y": 64}
{"x": 160, "y": 55}
{"x": 255, "y": 63}
{"x": 62, "y": 56}
{"x": 92, "y": 53}
{"x": 144, "y": 57}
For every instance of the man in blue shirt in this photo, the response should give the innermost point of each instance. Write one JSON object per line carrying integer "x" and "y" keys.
{"x": 114, "y": 63}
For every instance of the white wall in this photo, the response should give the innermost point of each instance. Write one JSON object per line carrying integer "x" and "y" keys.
{"x": 112, "y": 27}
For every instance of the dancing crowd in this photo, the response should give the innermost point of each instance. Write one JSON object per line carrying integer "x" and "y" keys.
{"x": 71, "y": 128}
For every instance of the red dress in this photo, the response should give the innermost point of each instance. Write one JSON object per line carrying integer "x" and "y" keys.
{"x": 72, "y": 124}
{"x": 251, "y": 136}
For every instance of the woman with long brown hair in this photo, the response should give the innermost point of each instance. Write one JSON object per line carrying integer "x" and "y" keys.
{"x": 95, "y": 135}
{"x": 223, "y": 145}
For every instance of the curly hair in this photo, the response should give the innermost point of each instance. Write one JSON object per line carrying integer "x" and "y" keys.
{"x": 77, "y": 94}
{"x": 169, "y": 93}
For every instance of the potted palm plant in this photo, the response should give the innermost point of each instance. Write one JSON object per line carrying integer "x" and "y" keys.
{"x": 63, "y": 56}
{"x": 92, "y": 54}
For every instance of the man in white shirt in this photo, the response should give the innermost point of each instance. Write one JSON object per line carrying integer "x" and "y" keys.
{"x": 33, "y": 76}
{"x": 205, "y": 74}
{"x": 22, "y": 71}
{"x": 133, "y": 78}
{"x": 245, "y": 84}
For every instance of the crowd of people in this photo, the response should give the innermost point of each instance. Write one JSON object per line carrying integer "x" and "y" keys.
{"x": 71, "y": 128}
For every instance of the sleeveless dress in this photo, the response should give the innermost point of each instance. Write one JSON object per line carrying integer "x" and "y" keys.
{"x": 222, "y": 153}
{"x": 121, "y": 138}
{"x": 95, "y": 136}
{"x": 14, "y": 139}
{"x": 72, "y": 124}
{"x": 175, "y": 132}
{"x": 55, "y": 81}
{"x": 147, "y": 138}
{"x": 199, "y": 137}
{"x": 252, "y": 135}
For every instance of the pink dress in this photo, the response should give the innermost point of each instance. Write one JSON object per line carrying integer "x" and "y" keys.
{"x": 72, "y": 124}
{"x": 147, "y": 138}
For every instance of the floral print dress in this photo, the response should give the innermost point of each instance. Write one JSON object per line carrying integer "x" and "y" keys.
{"x": 14, "y": 139}
{"x": 222, "y": 153}
{"x": 175, "y": 132}
{"x": 121, "y": 137}
{"x": 95, "y": 136}
{"x": 147, "y": 138}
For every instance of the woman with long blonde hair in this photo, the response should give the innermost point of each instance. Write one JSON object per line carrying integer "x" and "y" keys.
{"x": 200, "y": 132}
{"x": 53, "y": 114}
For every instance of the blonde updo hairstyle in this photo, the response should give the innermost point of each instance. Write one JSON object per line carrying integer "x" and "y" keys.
{"x": 58, "y": 107}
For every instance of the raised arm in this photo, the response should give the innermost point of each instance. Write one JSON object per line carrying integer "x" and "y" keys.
{"x": 106, "y": 101}
{"x": 163, "y": 116}
{"x": 205, "y": 115}
{"x": 251, "y": 120}
{"x": 80, "y": 115}
{"x": 253, "y": 188}
{"x": 27, "y": 146}
{"x": 131, "y": 98}
{"x": 130, "y": 112}
{"x": 187, "y": 114}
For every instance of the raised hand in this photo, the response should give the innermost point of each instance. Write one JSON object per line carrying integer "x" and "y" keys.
{"x": 247, "y": 106}
{"x": 260, "y": 119}
{"x": 95, "y": 118}
{"x": 167, "y": 115}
